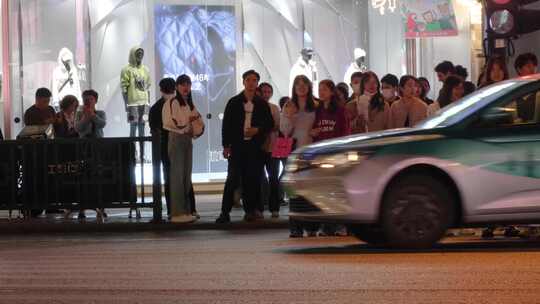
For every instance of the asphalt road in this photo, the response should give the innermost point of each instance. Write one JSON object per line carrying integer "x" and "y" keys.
{"x": 261, "y": 266}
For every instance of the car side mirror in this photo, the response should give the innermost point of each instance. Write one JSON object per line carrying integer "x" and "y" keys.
{"x": 498, "y": 116}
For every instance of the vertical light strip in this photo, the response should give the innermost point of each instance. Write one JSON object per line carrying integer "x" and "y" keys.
{"x": 80, "y": 38}
{"x": 6, "y": 73}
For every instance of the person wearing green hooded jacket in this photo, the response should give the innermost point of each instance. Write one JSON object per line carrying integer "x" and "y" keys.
{"x": 135, "y": 82}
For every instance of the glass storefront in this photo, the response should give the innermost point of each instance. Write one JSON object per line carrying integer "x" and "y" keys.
{"x": 212, "y": 41}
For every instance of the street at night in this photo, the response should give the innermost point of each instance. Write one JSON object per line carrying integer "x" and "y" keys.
{"x": 263, "y": 266}
{"x": 270, "y": 151}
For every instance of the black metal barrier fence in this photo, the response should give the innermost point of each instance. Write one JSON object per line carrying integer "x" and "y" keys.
{"x": 79, "y": 174}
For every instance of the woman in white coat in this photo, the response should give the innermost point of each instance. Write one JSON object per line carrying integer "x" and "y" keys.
{"x": 183, "y": 121}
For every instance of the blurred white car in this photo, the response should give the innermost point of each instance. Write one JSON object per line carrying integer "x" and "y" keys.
{"x": 475, "y": 163}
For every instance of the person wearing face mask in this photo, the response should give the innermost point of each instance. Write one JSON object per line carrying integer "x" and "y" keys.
{"x": 378, "y": 111}
{"x": 451, "y": 91}
{"x": 389, "y": 86}
{"x": 409, "y": 110}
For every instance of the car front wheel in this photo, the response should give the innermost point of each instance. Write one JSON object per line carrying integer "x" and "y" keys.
{"x": 416, "y": 212}
{"x": 372, "y": 235}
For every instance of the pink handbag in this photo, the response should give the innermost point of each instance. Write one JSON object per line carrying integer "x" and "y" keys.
{"x": 282, "y": 147}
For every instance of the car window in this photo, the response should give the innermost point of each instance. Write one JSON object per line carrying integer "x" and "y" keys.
{"x": 470, "y": 105}
{"x": 521, "y": 111}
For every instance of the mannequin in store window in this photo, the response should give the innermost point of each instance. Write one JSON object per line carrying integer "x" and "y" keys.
{"x": 358, "y": 65}
{"x": 305, "y": 65}
{"x": 65, "y": 79}
{"x": 135, "y": 82}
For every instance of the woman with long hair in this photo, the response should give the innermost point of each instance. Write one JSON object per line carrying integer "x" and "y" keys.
{"x": 378, "y": 110}
{"x": 408, "y": 110}
{"x": 373, "y": 112}
{"x": 330, "y": 121}
{"x": 342, "y": 90}
{"x": 299, "y": 125}
{"x": 496, "y": 70}
{"x": 452, "y": 91}
{"x": 179, "y": 118}
{"x": 297, "y": 121}
{"x": 425, "y": 87}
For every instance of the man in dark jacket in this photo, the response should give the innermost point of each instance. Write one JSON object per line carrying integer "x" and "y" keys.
{"x": 41, "y": 113}
{"x": 247, "y": 122}
{"x": 167, "y": 87}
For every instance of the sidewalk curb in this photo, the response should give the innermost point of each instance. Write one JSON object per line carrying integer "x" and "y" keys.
{"x": 13, "y": 228}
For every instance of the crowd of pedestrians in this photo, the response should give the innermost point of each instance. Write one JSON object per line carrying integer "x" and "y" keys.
{"x": 69, "y": 122}
{"x": 253, "y": 125}
{"x": 375, "y": 104}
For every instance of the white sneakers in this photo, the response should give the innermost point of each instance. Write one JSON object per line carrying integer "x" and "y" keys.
{"x": 185, "y": 218}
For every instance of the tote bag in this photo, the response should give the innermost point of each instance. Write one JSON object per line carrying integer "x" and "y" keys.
{"x": 198, "y": 127}
{"x": 282, "y": 147}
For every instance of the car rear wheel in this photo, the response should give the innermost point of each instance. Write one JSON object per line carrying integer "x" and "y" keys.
{"x": 372, "y": 235}
{"x": 417, "y": 210}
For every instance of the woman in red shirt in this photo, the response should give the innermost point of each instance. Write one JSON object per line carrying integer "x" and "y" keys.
{"x": 330, "y": 120}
